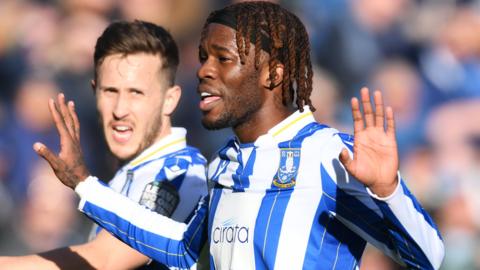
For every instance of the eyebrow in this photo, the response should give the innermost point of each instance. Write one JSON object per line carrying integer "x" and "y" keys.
{"x": 116, "y": 88}
{"x": 102, "y": 87}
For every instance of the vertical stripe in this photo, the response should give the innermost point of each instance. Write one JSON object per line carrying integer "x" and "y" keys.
{"x": 212, "y": 262}
{"x": 241, "y": 178}
{"x": 216, "y": 193}
{"x": 268, "y": 227}
{"x": 336, "y": 257}
{"x": 318, "y": 232}
{"x": 222, "y": 164}
{"x": 236, "y": 177}
{"x": 270, "y": 217}
{"x": 327, "y": 230}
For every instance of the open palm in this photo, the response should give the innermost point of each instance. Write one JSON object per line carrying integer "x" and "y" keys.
{"x": 375, "y": 154}
{"x": 68, "y": 165}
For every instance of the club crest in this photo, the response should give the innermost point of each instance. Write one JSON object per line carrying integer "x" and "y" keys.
{"x": 288, "y": 169}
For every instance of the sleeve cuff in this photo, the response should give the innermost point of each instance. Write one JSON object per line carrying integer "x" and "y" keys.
{"x": 391, "y": 196}
{"x": 82, "y": 190}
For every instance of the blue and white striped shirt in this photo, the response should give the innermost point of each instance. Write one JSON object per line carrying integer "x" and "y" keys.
{"x": 282, "y": 202}
{"x": 168, "y": 177}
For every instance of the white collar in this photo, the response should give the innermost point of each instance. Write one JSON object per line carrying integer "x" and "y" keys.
{"x": 174, "y": 141}
{"x": 287, "y": 128}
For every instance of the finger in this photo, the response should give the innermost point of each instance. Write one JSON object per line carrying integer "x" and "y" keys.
{"x": 379, "y": 114}
{"x": 357, "y": 116}
{"x": 367, "y": 107}
{"x": 65, "y": 114}
{"x": 46, "y": 154}
{"x": 59, "y": 122}
{"x": 390, "y": 122}
{"x": 345, "y": 159}
{"x": 76, "y": 122}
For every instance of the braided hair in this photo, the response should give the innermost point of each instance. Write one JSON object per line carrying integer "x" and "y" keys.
{"x": 287, "y": 43}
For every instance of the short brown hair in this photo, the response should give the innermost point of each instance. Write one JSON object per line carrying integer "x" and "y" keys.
{"x": 126, "y": 38}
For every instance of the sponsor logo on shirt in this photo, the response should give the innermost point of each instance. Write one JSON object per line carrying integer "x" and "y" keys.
{"x": 230, "y": 232}
{"x": 162, "y": 197}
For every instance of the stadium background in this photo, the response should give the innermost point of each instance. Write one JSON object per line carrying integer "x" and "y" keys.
{"x": 423, "y": 54}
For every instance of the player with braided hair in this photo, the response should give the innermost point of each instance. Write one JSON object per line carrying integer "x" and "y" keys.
{"x": 285, "y": 192}
{"x": 289, "y": 46}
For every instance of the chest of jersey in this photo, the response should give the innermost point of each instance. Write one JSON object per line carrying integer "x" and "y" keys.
{"x": 263, "y": 208}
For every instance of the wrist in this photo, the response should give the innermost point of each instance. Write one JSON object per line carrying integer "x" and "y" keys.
{"x": 384, "y": 190}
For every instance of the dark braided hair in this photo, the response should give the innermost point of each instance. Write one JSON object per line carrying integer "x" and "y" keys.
{"x": 288, "y": 44}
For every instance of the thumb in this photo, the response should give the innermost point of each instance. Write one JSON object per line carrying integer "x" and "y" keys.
{"x": 345, "y": 158}
{"x": 46, "y": 154}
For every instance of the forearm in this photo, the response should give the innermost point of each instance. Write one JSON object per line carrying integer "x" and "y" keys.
{"x": 412, "y": 229}
{"x": 158, "y": 237}
{"x": 62, "y": 258}
{"x": 397, "y": 224}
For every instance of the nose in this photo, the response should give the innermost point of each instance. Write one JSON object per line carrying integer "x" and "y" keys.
{"x": 207, "y": 70}
{"x": 121, "y": 107}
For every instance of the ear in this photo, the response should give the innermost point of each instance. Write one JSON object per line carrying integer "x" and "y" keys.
{"x": 265, "y": 76}
{"x": 93, "y": 84}
{"x": 171, "y": 99}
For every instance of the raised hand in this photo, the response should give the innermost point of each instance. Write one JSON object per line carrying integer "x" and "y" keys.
{"x": 375, "y": 153}
{"x": 68, "y": 165}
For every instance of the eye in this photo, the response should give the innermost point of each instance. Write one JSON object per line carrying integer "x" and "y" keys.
{"x": 136, "y": 92}
{"x": 110, "y": 91}
{"x": 223, "y": 59}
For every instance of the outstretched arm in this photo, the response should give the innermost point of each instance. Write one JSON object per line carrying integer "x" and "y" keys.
{"x": 103, "y": 252}
{"x": 158, "y": 237}
{"x": 172, "y": 243}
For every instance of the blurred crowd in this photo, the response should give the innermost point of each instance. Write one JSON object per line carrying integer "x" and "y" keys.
{"x": 423, "y": 54}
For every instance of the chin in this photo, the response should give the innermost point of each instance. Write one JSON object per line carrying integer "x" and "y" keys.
{"x": 214, "y": 124}
{"x": 123, "y": 156}
{"x": 219, "y": 121}
{"x": 122, "y": 153}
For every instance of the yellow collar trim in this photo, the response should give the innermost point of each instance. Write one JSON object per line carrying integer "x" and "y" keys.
{"x": 140, "y": 160}
{"x": 292, "y": 123}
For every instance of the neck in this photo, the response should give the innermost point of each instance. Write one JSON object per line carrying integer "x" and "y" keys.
{"x": 260, "y": 123}
{"x": 165, "y": 130}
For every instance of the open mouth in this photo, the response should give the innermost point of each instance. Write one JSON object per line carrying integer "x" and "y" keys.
{"x": 208, "y": 100}
{"x": 122, "y": 133}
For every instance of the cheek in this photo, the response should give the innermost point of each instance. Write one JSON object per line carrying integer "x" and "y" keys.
{"x": 104, "y": 112}
{"x": 146, "y": 114}
{"x": 242, "y": 83}
{"x": 104, "y": 103}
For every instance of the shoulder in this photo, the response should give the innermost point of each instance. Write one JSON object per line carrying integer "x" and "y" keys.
{"x": 184, "y": 159}
{"x": 325, "y": 135}
{"x": 326, "y": 143}
{"x": 174, "y": 164}
{"x": 186, "y": 156}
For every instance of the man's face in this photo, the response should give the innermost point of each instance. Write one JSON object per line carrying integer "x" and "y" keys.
{"x": 230, "y": 91}
{"x": 130, "y": 96}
